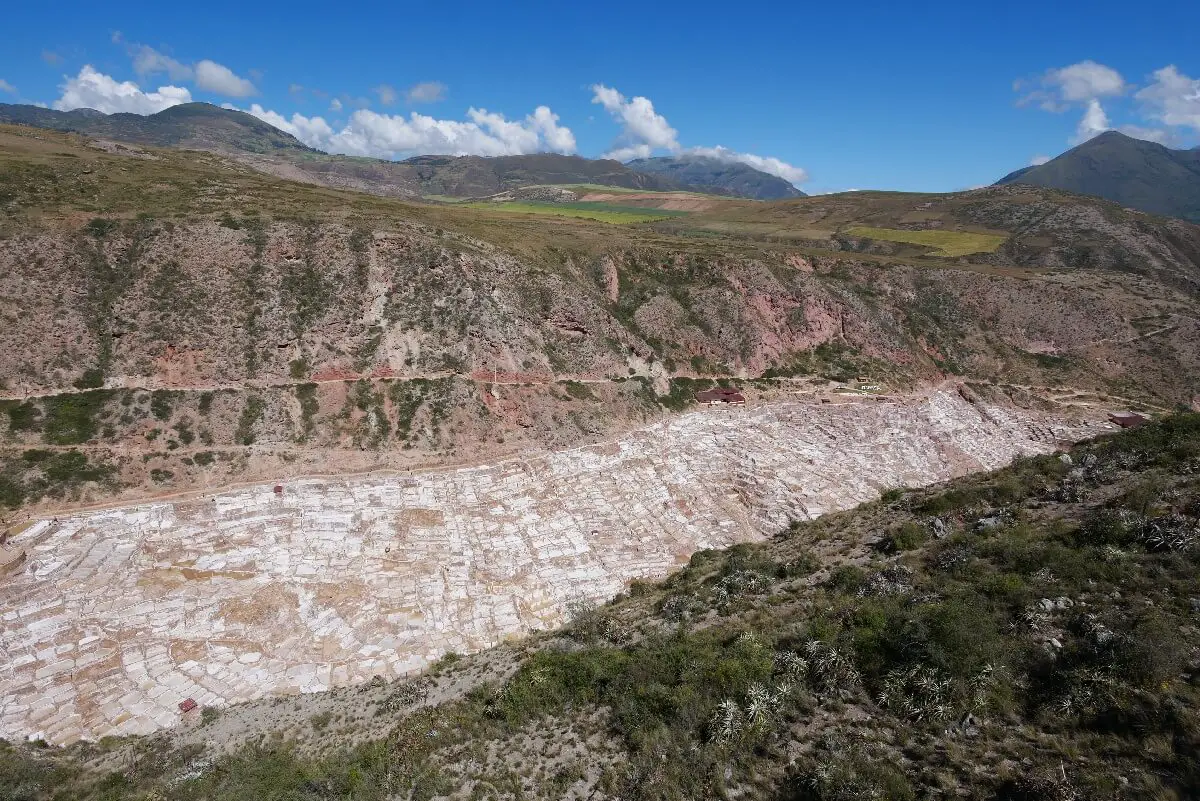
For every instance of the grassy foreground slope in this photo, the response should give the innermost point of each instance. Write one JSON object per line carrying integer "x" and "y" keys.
{"x": 1026, "y": 634}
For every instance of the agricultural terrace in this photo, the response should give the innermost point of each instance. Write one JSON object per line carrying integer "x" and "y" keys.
{"x": 947, "y": 243}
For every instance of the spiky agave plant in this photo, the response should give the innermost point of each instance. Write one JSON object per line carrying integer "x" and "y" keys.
{"x": 829, "y": 670}
{"x": 762, "y": 706}
{"x": 790, "y": 667}
{"x": 727, "y": 722}
{"x": 917, "y": 694}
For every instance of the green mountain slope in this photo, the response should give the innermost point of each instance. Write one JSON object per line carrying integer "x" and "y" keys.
{"x": 703, "y": 174}
{"x": 201, "y": 126}
{"x": 1135, "y": 173}
{"x": 197, "y": 126}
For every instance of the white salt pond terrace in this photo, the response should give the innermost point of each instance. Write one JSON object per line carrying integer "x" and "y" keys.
{"x": 117, "y": 616}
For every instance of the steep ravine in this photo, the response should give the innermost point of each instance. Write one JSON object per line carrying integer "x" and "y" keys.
{"x": 118, "y": 615}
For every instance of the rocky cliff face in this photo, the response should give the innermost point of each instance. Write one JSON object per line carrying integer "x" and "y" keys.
{"x": 175, "y": 320}
{"x": 199, "y": 352}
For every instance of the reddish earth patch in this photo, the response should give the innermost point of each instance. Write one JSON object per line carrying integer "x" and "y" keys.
{"x": 335, "y": 374}
{"x": 799, "y": 262}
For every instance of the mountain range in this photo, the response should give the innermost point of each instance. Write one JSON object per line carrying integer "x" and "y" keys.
{"x": 244, "y": 137}
{"x": 1135, "y": 173}
{"x": 733, "y": 177}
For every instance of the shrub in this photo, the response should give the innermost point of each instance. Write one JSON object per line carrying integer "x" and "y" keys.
{"x": 160, "y": 404}
{"x": 907, "y": 537}
{"x": 72, "y": 419}
{"x": 25, "y": 416}
{"x": 251, "y": 412}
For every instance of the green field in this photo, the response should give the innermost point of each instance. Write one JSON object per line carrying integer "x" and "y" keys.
{"x": 948, "y": 243}
{"x": 603, "y": 212}
{"x": 621, "y": 190}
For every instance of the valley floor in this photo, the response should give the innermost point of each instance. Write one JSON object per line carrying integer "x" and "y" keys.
{"x": 120, "y": 614}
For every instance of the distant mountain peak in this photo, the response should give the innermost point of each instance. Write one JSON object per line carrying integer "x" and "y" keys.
{"x": 1136, "y": 173}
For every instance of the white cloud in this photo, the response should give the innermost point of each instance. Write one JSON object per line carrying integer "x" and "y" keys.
{"x": 426, "y": 92}
{"x": 220, "y": 79}
{"x": 387, "y": 95}
{"x": 1038, "y": 161}
{"x": 771, "y": 166}
{"x": 5, "y": 86}
{"x": 92, "y": 89}
{"x": 1172, "y": 99}
{"x": 1073, "y": 85}
{"x": 484, "y": 133}
{"x": 644, "y": 130}
{"x": 1093, "y": 123}
{"x": 207, "y": 74}
{"x": 306, "y": 129}
{"x": 148, "y": 61}
{"x": 335, "y": 105}
{"x": 630, "y": 152}
{"x": 1085, "y": 81}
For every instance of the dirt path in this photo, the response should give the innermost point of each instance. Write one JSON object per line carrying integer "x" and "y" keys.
{"x": 287, "y": 383}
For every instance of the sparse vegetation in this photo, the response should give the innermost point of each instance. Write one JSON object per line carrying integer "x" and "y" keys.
{"x": 31, "y": 475}
{"x": 251, "y": 413}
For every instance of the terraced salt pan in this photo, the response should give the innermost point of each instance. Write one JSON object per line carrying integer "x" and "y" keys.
{"x": 119, "y": 615}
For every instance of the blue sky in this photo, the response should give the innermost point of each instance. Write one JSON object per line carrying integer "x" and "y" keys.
{"x": 914, "y": 96}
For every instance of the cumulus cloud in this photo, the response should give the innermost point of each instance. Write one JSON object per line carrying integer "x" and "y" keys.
{"x": 426, "y": 92}
{"x": 5, "y": 86}
{"x": 1082, "y": 85}
{"x": 558, "y": 138}
{"x": 306, "y": 129}
{"x": 1093, "y": 123}
{"x": 1172, "y": 99}
{"x": 92, "y": 89}
{"x": 220, "y": 79}
{"x": 772, "y": 166}
{"x": 1079, "y": 83}
{"x": 1038, "y": 161}
{"x": 335, "y": 105}
{"x": 483, "y": 133}
{"x": 206, "y": 74}
{"x": 644, "y": 130}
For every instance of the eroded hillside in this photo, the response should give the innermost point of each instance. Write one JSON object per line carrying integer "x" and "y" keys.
{"x": 174, "y": 321}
